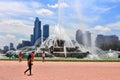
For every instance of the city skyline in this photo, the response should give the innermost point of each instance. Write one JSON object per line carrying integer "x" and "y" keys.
{"x": 37, "y": 35}
{"x": 17, "y": 17}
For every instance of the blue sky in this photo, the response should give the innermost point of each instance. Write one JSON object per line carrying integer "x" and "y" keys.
{"x": 17, "y": 17}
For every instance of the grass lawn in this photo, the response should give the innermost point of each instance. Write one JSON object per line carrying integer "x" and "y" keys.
{"x": 64, "y": 59}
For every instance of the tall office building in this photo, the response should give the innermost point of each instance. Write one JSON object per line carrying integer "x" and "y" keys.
{"x": 111, "y": 39}
{"x": 45, "y": 31}
{"x": 101, "y": 39}
{"x": 83, "y": 38}
{"x": 19, "y": 46}
{"x": 79, "y": 36}
{"x": 6, "y": 48}
{"x": 12, "y": 46}
{"x": 87, "y": 38}
{"x": 25, "y": 43}
{"x": 32, "y": 40}
{"x": 37, "y": 29}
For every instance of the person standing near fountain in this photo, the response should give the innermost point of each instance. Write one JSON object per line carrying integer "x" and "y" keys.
{"x": 43, "y": 56}
{"x": 32, "y": 56}
{"x": 29, "y": 63}
{"x": 20, "y": 56}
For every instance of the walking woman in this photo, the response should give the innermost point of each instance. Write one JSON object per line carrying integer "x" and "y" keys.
{"x": 29, "y": 62}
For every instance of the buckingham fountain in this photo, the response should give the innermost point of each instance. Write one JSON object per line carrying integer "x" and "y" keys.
{"x": 59, "y": 44}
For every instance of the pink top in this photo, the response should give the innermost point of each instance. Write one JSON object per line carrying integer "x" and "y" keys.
{"x": 43, "y": 54}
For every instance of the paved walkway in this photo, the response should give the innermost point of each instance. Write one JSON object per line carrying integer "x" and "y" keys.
{"x": 13, "y": 70}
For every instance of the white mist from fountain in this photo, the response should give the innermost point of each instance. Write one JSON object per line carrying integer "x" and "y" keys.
{"x": 90, "y": 42}
{"x": 111, "y": 54}
{"x": 65, "y": 52}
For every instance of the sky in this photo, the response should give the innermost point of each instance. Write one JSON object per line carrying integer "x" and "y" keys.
{"x": 97, "y": 16}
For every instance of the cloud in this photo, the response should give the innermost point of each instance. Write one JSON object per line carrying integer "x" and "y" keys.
{"x": 111, "y": 27}
{"x": 114, "y": 26}
{"x": 7, "y": 39}
{"x": 9, "y": 36}
{"x": 58, "y": 5}
{"x": 44, "y": 12}
{"x": 100, "y": 9}
{"x": 16, "y": 26}
{"x": 102, "y": 29}
{"x": 14, "y": 7}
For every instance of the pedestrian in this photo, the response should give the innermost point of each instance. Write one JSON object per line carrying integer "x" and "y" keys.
{"x": 20, "y": 56}
{"x": 29, "y": 63}
{"x": 43, "y": 56}
{"x": 32, "y": 56}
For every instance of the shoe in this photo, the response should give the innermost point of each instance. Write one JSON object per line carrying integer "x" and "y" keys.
{"x": 29, "y": 75}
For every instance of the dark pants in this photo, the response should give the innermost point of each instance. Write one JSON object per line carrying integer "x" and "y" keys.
{"x": 43, "y": 59}
{"x": 29, "y": 69}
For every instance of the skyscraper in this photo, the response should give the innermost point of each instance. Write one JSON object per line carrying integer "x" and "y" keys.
{"x": 83, "y": 38}
{"x": 25, "y": 43}
{"x": 79, "y": 36}
{"x": 32, "y": 40}
{"x": 37, "y": 30}
{"x": 19, "y": 46}
{"x": 87, "y": 38}
{"x": 12, "y": 46}
{"x": 6, "y": 48}
{"x": 45, "y": 31}
{"x": 102, "y": 39}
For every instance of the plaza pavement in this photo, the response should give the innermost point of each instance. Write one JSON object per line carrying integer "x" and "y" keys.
{"x": 14, "y": 70}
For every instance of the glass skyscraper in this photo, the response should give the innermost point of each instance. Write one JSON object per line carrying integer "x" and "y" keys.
{"x": 37, "y": 30}
{"x": 32, "y": 40}
{"x": 45, "y": 31}
{"x": 12, "y": 46}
